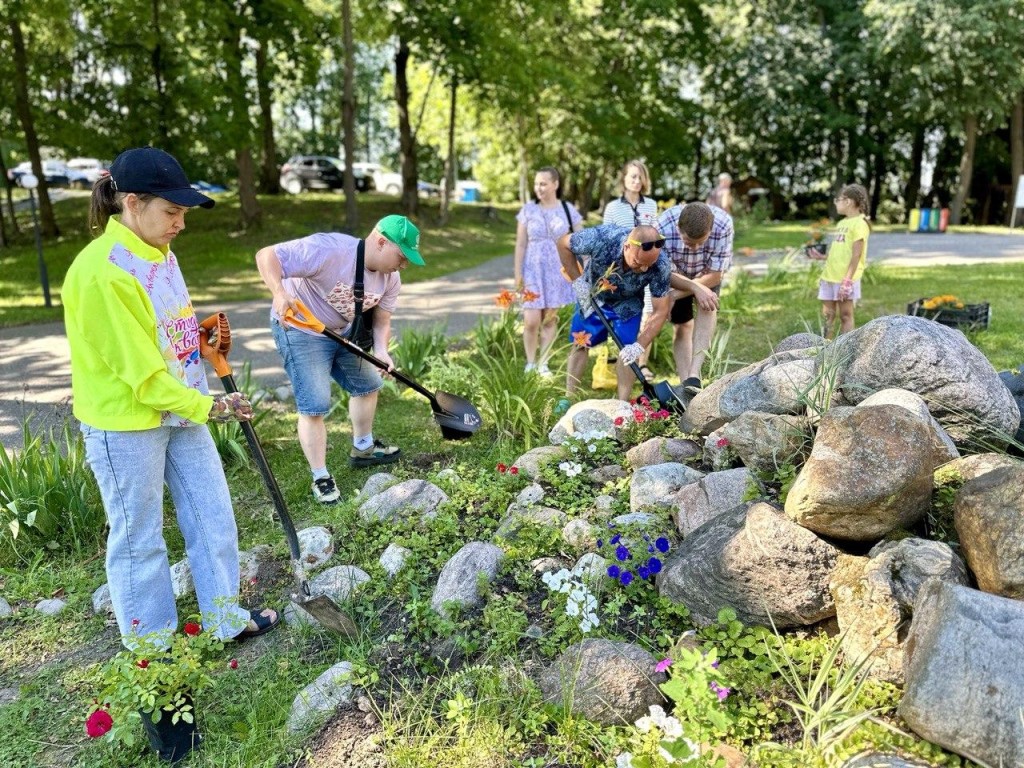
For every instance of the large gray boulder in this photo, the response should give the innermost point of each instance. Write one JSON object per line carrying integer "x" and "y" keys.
{"x": 988, "y": 512}
{"x": 799, "y": 341}
{"x": 458, "y": 579}
{"x": 754, "y": 560}
{"x": 764, "y": 442}
{"x": 757, "y": 387}
{"x": 964, "y": 679}
{"x": 945, "y": 448}
{"x": 870, "y": 472}
{"x": 407, "y": 499}
{"x": 655, "y": 486}
{"x": 962, "y": 389}
{"x": 875, "y": 598}
{"x": 969, "y": 467}
{"x": 709, "y": 497}
{"x": 607, "y": 682}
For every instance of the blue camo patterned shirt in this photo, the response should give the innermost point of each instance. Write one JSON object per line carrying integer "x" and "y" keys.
{"x": 604, "y": 245}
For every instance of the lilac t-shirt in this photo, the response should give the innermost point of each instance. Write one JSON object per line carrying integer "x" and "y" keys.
{"x": 319, "y": 271}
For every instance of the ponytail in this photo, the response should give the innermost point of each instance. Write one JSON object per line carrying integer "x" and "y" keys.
{"x": 105, "y": 203}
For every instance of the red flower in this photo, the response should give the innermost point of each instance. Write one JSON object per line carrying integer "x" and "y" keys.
{"x": 721, "y": 442}
{"x": 142, "y": 663}
{"x": 253, "y": 580}
{"x": 98, "y": 723}
{"x": 639, "y": 417}
{"x": 233, "y": 663}
{"x": 513, "y": 470}
{"x": 135, "y": 622}
{"x": 502, "y": 468}
{"x": 192, "y": 629}
{"x": 619, "y": 421}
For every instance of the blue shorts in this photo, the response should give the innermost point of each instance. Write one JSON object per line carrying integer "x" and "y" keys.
{"x": 626, "y": 330}
{"x": 312, "y": 361}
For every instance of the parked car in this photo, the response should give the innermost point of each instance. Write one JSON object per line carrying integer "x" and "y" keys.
{"x": 56, "y": 173}
{"x": 426, "y": 189}
{"x": 384, "y": 179}
{"x": 90, "y": 167}
{"x": 303, "y": 172}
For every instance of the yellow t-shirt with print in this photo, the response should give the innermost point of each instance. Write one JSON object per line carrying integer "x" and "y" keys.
{"x": 840, "y": 249}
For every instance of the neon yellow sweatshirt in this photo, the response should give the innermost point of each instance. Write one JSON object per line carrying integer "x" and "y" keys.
{"x": 134, "y": 337}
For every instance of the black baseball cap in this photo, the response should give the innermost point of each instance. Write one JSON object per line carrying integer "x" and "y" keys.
{"x": 149, "y": 170}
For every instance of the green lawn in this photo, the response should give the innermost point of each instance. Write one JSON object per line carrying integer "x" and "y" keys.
{"x": 218, "y": 259}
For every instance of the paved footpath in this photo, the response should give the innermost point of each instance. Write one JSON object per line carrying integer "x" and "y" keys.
{"x": 35, "y": 377}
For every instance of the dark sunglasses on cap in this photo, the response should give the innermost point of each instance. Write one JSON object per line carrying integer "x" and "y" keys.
{"x": 660, "y": 243}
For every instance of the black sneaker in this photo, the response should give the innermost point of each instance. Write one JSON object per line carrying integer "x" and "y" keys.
{"x": 325, "y": 490}
{"x": 378, "y": 453}
{"x": 692, "y": 386}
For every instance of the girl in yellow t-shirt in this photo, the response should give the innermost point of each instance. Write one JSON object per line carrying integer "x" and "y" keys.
{"x": 847, "y": 256}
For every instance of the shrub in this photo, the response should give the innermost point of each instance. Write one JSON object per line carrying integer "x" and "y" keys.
{"x": 48, "y": 497}
{"x": 417, "y": 351}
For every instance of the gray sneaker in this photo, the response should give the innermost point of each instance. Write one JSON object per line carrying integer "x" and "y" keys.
{"x": 378, "y": 453}
{"x": 325, "y": 490}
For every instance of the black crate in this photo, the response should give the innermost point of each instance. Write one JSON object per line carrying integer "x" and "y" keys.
{"x": 973, "y": 317}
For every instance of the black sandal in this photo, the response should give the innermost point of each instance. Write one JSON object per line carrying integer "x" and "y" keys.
{"x": 263, "y": 624}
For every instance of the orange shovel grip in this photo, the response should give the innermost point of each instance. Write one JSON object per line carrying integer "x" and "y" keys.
{"x": 303, "y": 318}
{"x": 215, "y": 342}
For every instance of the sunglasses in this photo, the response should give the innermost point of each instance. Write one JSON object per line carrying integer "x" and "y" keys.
{"x": 660, "y": 243}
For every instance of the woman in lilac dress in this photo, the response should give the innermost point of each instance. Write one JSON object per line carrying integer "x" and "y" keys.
{"x": 537, "y": 268}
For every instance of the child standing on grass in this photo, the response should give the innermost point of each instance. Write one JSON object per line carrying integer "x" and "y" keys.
{"x": 839, "y": 287}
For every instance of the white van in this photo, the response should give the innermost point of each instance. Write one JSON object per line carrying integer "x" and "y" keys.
{"x": 90, "y": 166}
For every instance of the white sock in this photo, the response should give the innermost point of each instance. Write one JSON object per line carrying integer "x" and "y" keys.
{"x": 364, "y": 442}
{"x": 321, "y": 473}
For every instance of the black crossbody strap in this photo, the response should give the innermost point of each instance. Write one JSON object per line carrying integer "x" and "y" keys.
{"x": 568, "y": 218}
{"x": 357, "y": 284}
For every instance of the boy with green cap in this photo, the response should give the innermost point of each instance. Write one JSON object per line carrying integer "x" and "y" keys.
{"x": 320, "y": 271}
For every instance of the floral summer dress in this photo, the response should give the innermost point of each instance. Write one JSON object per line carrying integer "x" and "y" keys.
{"x": 542, "y": 270}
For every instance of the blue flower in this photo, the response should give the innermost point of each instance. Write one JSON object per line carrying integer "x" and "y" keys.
{"x": 613, "y": 571}
{"x": 614, "y": 539}
{"x": 661, "y": 544}
{"x": 654, "y": 564}
{"x": 650, "y": 548}
{"x": 626, "y": 578}
{"x": 647, "y": 537}
{"x": 643, "y": 572}
{"x": 600, "y": 543}
{"x": 621, "y": 553}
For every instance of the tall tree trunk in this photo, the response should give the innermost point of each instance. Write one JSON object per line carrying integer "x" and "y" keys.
{"x": 966, "y": 169}
{"x": 406, "y": 140}
{"x": 698, "y": 157}
{"x": 159, "y": 78}
{"x": 913, "y": 188}
{"x": 7, "y": 189}
{"x": 1016, "y": 151}
{"x": 241, "y": 126}
{"x": 23, "y": 106}
{"x": 878, "y": 174}
{"x": 348, "y": 118}
{"x": 270, "y": 179}
{"x": 524, "y": 161}
{"x": 449, "y": 163}
{"x": 586, "y": 192}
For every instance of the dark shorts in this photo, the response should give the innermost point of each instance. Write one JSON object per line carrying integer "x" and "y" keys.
{"x": 626, "y": 330}
{"x": 682, "y": 309}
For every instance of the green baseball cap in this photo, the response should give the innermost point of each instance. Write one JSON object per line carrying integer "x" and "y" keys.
{"x": 403, "y": 233}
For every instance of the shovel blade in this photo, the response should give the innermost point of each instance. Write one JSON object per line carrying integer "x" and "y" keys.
{"x": 457, "y": 417}
{"x": 330, "y": 616}
{"x": 667, "y": 397}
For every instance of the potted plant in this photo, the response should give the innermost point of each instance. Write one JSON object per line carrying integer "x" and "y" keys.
{"x": 155, "y": 681}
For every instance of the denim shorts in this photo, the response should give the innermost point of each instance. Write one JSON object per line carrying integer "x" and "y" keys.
{"x": 312, "y": 361}
{"x": 626, "y": 330}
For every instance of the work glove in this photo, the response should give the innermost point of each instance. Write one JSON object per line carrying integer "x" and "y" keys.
{"x": 630, "y": 353}
{"x": 581, "y": 288}
{"x": 845, "y": 290}
{"x": 233, "y": 406}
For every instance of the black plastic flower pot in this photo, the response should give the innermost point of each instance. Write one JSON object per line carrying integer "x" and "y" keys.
{"x": 172, "y": 741}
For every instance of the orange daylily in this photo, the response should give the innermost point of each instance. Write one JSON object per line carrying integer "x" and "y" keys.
{"x": 581, "y": 339}
{"x": 604, "y": 284}
{"x": 529, "y": 295}
{"x": 505, "y": 299}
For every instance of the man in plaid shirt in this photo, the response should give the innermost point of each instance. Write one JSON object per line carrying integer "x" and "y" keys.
{"x": 698, "y": 240}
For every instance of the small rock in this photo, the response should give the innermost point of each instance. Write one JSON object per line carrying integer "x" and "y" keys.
{"x": 325, "y": 694}
{"x": 5, "y": 609}
{"x": 544, "y": 565}
{"x": 101, "y": 602}
{"x": 592, "y": 568}
{"x": 636, "y": 519}
{"x": 579, "y": 534}
{"x": 51, "y": 607}
{"x": 181, "y": 578}
{"x": 393, "y": 559}
{"x": 9, "y": 696}
{"x": 531, "y": 494}
{"x": 604, "y": 503}
{"x": 339, "y": 582}
{"x": 283, "y": 393}
{"x": 658, "y": 450}
{"x": 449, "y": 475}
{"x": 376, "y": 483}
{"x": 531, "y": 462}
{"x": 364, "y": 704}
{"x": 406, "y": 499}
{"x": 458, "y": 580}
{"x": 607, "y": 474}
{"x": 316, "y": 545}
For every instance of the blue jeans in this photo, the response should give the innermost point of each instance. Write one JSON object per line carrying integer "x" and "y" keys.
{"x": 131, "y": 469}
{"x": 312, "y": 361}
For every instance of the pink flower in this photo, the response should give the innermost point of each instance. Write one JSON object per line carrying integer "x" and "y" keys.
{"x": 135, "y": 622}
{"x": 619, "y": 421}
{"x": 98, "y": 723}
{"x": 643, "y": 400}
{"x": 639, "y": 417}
{"x": 513, "y": 470}
{"x": 662, "y": 665}
{"x": 142, "y": 663}
{"x": 192, "y": 629}
{"x": 233, "y": 663}
{"x": 720, "y": 690}
{"x": 721, "y": 442}
{"x": 253, "y": 580}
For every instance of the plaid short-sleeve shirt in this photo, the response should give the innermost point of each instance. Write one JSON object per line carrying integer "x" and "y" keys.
{"x": 715, "y": 255}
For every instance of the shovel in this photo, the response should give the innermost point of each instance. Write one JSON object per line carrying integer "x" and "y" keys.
{"x": 214, "y": 344}
{"x": 457, "y": 417}
{"x": 661, "y": 391}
